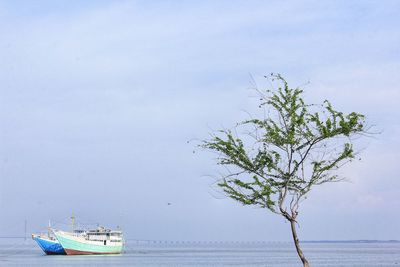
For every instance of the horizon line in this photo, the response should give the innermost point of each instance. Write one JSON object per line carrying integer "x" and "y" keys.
{"x": 244, "y": 241}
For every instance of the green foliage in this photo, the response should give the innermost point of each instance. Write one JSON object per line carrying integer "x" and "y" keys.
{"x": 296, "y": 147}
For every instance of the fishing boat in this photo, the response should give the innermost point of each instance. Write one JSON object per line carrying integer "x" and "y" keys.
{"x": 97, "y": 241}
{"x": 49, "y": 243}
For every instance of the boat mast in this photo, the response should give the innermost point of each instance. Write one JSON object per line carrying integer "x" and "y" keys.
{"x": 73, "y": 222}
{"x": 48, "y": 229}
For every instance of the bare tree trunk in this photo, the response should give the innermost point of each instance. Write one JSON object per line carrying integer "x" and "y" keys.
{"x": 297, "y": 244}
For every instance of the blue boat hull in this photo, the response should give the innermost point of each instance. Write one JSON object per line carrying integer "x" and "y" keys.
{"x": 49, "y": 247}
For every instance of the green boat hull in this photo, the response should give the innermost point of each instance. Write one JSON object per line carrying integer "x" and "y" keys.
{"x": 75, "y": 247}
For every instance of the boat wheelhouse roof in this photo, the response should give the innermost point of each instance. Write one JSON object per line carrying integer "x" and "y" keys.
{"x": 102, "y": 230}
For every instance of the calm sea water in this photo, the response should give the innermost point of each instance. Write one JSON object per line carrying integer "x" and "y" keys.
{"x": 26, "y": 253}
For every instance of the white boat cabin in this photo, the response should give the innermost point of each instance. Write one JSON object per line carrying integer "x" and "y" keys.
{"x": 104, "y": 235}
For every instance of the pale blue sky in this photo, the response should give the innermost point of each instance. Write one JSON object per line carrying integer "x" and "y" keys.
{"x": 98, "y": 101}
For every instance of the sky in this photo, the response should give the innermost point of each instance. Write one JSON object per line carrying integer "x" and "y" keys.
{"x": 103, "y": 104}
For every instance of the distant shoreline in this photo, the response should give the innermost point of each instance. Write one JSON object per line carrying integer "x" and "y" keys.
{"x": 351, "y": 241}
{"x": 228, "y": 242}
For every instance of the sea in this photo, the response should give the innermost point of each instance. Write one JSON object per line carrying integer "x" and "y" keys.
{"x": 162, "y": 253}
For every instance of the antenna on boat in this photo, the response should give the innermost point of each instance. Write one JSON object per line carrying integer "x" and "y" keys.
{"x": 73, "y": 222}
{"x": 25, "y": 223}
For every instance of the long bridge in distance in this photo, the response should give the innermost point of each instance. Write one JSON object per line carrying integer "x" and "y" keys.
{"x": 202, "y": 242}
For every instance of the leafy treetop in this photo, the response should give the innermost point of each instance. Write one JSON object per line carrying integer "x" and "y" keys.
{"x": 294, "y": 148}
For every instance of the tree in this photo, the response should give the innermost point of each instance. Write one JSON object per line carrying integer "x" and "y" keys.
{"x": 281, "y": 157}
